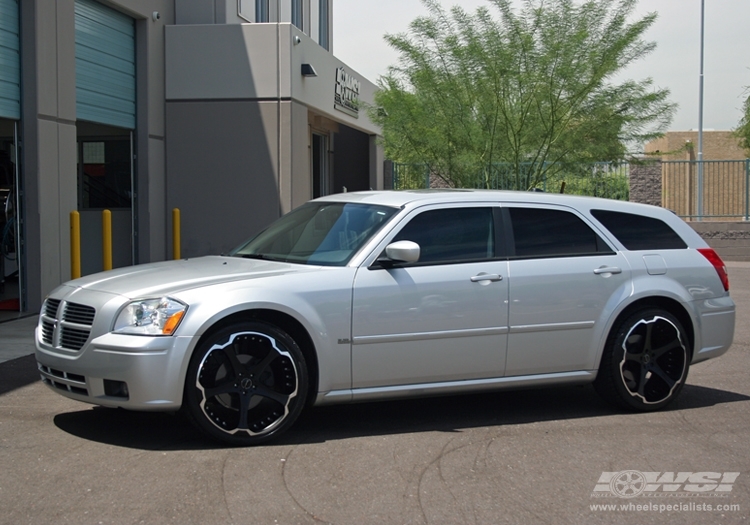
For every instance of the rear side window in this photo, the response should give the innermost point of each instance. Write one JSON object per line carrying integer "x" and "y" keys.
{"x": 542, "y": 232}
{"x": 637, "y": 232}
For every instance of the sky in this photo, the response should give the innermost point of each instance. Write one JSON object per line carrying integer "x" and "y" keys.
{"x": 359, "y": 26}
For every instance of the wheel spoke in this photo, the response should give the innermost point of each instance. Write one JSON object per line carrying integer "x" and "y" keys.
{"x": 674, "y": 343}
{"x": 260, "y": 367}
{"x": 657, "y": 370}
{"x": 244, "y": 407}
{"x": 647, "y": 340}
{"x": 228, "y": 387}
{"x": 642, "y": 381}
{"x": 230, "y": 353}
{"x": 271, "y": 394}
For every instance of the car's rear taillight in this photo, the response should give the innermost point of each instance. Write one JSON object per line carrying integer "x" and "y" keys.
{"x": 721, "y": 268}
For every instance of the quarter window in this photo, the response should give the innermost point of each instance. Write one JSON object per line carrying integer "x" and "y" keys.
{"x": 452, "y": 235}
{"x": 542, "y": 232}
{"x": 637, "y": 232}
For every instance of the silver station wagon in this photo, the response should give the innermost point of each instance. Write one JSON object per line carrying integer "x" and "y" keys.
{"x": 377, "y": 295}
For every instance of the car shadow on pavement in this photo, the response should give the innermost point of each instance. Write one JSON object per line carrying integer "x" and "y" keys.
{"x": 18, "y": 373}
{"x": 158, "y": 431}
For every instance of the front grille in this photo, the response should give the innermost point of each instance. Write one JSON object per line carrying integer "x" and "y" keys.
{"x": 74, "y": 383}
{"x": 66, "y": 325}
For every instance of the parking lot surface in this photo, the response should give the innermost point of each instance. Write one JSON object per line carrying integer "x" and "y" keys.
{"x": 534, "y": 456}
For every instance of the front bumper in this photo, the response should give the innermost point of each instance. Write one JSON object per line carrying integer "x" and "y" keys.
{"x": 153, "y": 368}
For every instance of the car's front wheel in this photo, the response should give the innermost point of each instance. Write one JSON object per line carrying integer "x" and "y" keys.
{"x": 246, "y": 383}
{"x": 645, "y": 363}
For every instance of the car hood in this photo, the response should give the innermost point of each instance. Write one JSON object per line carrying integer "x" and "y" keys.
{"x": 170, "y": 277}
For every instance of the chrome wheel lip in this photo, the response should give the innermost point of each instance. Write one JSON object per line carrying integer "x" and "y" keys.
{"x": 230, "y": 341}
{"x": 685, "y": 363}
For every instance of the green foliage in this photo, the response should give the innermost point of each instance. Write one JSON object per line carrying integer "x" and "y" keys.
{"x": 743, "y": 129}
{"x": 534, "y": 88}
{"x": 595, "y": 179}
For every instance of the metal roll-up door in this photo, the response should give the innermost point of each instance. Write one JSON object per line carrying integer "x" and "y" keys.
{"x": 105, "y": 65}
{"x": 10, "y": 61}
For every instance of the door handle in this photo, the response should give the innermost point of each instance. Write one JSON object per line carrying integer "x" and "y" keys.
{"x": 486, "y": 277}
{"x": 607, "y": 269}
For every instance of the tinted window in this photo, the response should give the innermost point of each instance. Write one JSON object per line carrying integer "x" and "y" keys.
{"x": 637, "y": 232}
{"x": 450, "y": 235}
{"x": 540, "y": 232}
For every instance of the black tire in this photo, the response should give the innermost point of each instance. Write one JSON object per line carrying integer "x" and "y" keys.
{"x": 246, "y": 384}
{"x": 645, "y": 363}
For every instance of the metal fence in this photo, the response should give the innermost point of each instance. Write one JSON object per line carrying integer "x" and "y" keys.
{"x": 599, "y": 179}
{"x": 694, "y": 190}
{"x": 709, "y": 189}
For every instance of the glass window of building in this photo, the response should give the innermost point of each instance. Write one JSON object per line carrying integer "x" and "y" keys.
{"x": 297, "y": 18}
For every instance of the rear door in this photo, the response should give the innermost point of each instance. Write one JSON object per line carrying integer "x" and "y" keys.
{"x": 563, "y": 280}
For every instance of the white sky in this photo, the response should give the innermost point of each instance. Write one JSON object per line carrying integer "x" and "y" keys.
{"x": 359, "y": 26}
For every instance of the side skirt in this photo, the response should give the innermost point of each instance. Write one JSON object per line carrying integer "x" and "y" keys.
{"x": 455, "y": 387}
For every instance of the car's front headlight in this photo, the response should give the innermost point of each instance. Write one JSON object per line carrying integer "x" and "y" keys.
{"x": 150, "y": 317}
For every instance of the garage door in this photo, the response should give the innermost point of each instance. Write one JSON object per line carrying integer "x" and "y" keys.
{"x": 10, "y": 61}
{"x": 105, "y": 65}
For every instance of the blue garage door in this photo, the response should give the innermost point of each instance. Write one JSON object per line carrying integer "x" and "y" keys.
{"x": 105, "y": 65}
{"x": 10, "y": 61}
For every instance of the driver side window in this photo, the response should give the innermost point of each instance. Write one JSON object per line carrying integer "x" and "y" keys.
{"x": 452, "y": 235}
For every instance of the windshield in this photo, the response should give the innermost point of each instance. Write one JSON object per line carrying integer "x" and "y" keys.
{"x": 321, "y": 233}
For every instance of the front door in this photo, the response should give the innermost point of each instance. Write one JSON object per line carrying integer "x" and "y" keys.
{"x": 443, "y": 318}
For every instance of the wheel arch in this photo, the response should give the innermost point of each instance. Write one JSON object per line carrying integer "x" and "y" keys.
{"x": 282, "y": 321}
{"x": 667, "y": 304}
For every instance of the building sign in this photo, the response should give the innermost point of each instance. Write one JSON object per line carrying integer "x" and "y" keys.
{"x": 346, "y": 98}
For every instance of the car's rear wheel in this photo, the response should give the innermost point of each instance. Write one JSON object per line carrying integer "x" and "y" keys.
{"x": 645, "y": 363}
{"x": 246, "y": 383}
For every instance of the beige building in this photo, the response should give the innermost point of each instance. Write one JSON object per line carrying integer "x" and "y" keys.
{"x": 715, "y": 190}
{"x": 676, "y": 145}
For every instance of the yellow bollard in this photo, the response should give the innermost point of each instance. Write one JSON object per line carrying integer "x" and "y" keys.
{"x": 106, "y": 240}
{"x": 75, "y": 245}
{"x": 176, "y": 234}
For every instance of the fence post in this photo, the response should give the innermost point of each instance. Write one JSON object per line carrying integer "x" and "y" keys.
{"x": 106, "y": 240}
{"x": 75, "y": 245}
{"x": 747, "y": 189}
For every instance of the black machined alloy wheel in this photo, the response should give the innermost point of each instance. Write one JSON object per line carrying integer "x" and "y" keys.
{"x": 646, "y": 362}
{"x": 246, "y": 383}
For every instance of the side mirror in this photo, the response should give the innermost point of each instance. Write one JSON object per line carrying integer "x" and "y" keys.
{"x": 403, "y": 251}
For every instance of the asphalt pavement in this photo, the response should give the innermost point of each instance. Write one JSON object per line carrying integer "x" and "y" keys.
{"x": 556, "y": 455}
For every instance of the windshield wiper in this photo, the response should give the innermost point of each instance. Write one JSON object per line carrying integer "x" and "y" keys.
{"x": 257, "y": 256}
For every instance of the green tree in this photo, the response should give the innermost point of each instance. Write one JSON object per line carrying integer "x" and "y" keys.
{"x": 534, "y": 89}
{"x": 743, "y": 129}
